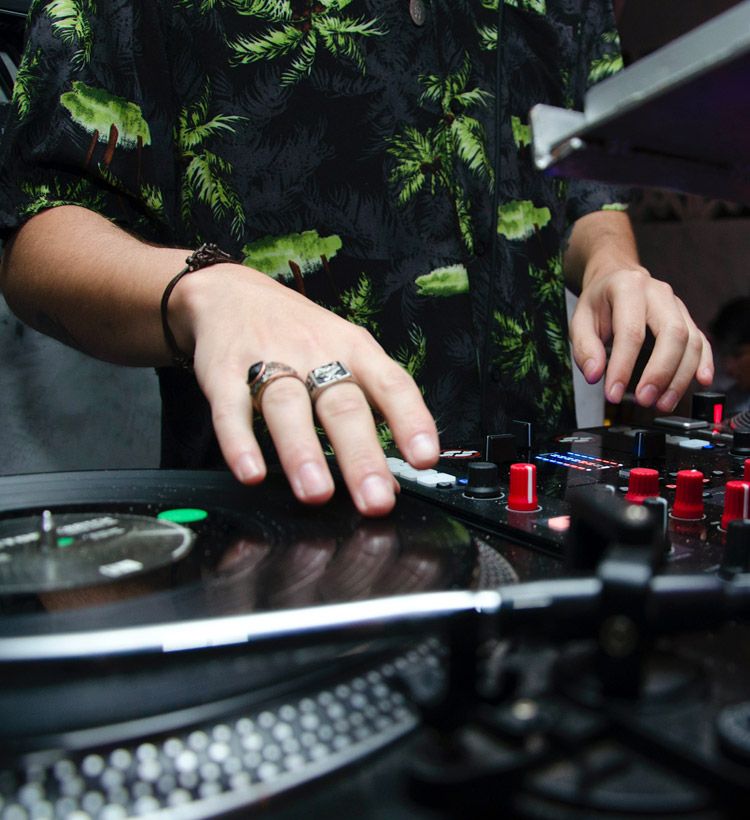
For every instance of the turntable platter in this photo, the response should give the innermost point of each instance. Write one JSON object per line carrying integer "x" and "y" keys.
{"x": 191, "y": 545}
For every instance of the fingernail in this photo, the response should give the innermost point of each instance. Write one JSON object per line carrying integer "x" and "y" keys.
{"x": 375, "y": 493}
{"x": 647, "y": 395}
{"x": 248, "y": 467}
{"x": 589, "y": 369}
{"x": 616, "y": 392}
{"x": 422, "y": 448}
{"x": 668, "y": 401}
{"x": 311, "y": 481}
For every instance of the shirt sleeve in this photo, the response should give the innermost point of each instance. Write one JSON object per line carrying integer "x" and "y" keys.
{"x": 86, "y": 125}
{"x": 599, "y": 58}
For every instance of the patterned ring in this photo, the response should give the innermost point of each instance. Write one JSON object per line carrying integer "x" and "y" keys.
{"x": 261, "y": 374}
{"x": 325, "y": 376}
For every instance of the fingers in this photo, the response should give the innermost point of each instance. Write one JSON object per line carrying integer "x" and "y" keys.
{"x": 629, "y": 305}
{"x": 586, "y": 340}
{"x": 346, "y": 416}
{"x": 391, "y": 390}
{"x": 231, "y": 413}
{"x": 705, "y": 372}
{"x": 630, "y": 302}
{"x": 677, "y": 355}
{"x": 344, "y": 410}
{"x": 697, "y": 349}
{"x": 288, "y": 414}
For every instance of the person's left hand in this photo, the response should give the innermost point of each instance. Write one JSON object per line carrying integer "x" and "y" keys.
{"x": 618, "y": 305}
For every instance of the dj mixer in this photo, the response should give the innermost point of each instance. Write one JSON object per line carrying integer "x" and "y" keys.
{"x": 688, "y": 471}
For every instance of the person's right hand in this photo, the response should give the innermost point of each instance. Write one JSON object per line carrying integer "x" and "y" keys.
{"x": 231, "y": 316}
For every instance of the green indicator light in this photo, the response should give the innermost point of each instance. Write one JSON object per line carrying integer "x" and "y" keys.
{"x": 183, "y": 516}
{"x": 65, "y": 542}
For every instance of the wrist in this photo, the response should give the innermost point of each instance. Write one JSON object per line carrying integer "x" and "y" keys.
{"x": 602, "y": 265}
{"x": 176, "y": 312}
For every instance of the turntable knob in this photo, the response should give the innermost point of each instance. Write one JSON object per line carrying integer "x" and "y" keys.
{"x": 483, "y": 480}
{"x": 522, "y": 496}
{"x": 688, "y": 500}
{"x": 736, "y": 502}
{"x": 736, "y": 558}
{"x": 643, "y": 482}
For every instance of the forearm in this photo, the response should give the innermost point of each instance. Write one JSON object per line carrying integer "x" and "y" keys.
{"x": 73, "y": 275}
{"x": 599, "y": 242}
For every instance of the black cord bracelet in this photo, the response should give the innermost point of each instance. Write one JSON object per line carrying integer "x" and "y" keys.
{"x": 208, "y": 254}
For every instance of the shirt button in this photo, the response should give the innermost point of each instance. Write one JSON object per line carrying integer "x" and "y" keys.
{"x": 417, "y": 12}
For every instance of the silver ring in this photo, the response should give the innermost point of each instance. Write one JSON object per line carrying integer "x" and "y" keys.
{"x": 261, "y": 374}
{"x": 325, "y": 376}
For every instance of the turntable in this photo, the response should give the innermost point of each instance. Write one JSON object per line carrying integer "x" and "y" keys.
{"x": 158, "y": 638}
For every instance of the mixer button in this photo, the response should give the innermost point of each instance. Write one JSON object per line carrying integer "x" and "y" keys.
{"x": 432, "y": 478}
{"x": 693, "y": 444}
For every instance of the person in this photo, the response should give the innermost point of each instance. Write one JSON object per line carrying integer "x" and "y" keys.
{"x": 367, "y": 166}
{"x": 729, "y": 332}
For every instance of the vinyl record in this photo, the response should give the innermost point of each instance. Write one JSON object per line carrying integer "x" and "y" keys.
{"x": 148, "y": 545}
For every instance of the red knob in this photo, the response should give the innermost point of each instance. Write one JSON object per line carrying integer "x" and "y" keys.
{"x": 643, "y": 483}
{"x": 746, "y": 474}
{"x": 522, "y": 493}
{"x": 688, "y": 499}
{"x": 736, "y": 502}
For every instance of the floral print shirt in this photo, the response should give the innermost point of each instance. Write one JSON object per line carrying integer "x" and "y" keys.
{"x": 373, "y": 154}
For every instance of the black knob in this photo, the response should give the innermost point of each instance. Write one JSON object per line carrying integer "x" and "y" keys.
{"x": 704, "y": 406}
{"x": 736, "y": 558}
{"x": 741, "y": 443}
{"x": 484, "y": 480}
